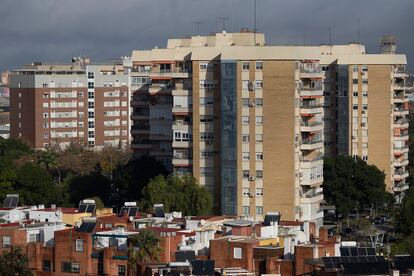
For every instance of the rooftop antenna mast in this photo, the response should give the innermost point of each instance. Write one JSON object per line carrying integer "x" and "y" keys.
{"x": 330, "y": 40}
{"x": 223, "y": 22}
{"x": 359, "y": 31}
{"x": 255, "y": 21}
{"x": 198, "y": 23}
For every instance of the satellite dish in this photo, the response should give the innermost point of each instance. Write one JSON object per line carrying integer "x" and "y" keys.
{"x": 131, "y": 219}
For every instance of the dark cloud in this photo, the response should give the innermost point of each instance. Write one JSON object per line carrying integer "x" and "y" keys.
{"x": 55, "y": 30}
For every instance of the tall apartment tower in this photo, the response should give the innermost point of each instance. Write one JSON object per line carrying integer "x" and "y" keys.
{"x": 244, "y": 120}
{"x": 70, "y": 103}
{"x": 366, "y": 109}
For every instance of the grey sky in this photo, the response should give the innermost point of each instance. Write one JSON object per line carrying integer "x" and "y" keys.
{"x": 56, "y": 30}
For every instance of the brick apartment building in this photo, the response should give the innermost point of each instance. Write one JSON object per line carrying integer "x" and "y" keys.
{"x": 78, "y": 102}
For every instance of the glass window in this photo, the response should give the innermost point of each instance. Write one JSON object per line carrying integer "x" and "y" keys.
{"x": 245, "y": 120}
{"x": 6, "y": 241}
{"x": 259, "y": 84}
{"x": 79, "y": 245}
{"x": 246, "y": 210}
{"x": 245, "y": 66}
{"x": 355, "y": 81}
{"x": 259, "y": 156}
{"x": 355, "y": 68}
{"x": 69, "y": 267}
{"x": 259, "y": 120}
{"x": 246, "y": 192}
{"x": 246, "y": 173}
{"x": 245, "y": 156}
{"x": 47, "y": 266}
{"x": 259, "y": 137}
{"x": 121, "y": 270}
{"x": 259, "y": 102}
{"x": 245, "y": 138}
{"x": 259, "y": 191}
{"x": 259, "y": 65}
{"x": 259, "y": 174}
{"x": 259, "y": 210}
{"x": 246, "y": 102}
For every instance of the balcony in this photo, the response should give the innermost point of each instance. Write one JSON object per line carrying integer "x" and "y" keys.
{"x": 401, "y": 86}
{"x": 311, "y": 182}
{"x": 181, "y": 110}
{"x": 139, "y": 103}
{"x": 312, "y": 162}
{"x": 400, "y": 186}
{"x": 310, "y": 109}
{"x": 182, "y": 144}
{"x": 140, "y": 130}
{"x": 311, "y": 144}
{"x": 400, "y": 99}
{"x": 182, "y": 158}
{"x": 400, "y": 73}
{"x": 401, "y": 162}
{"x": 400, "y": 174}
{"x": 310, "y": 71}
{"x": 401, "y": 123}
{"x": 311, "y": 126}
{"x": 402, "y": 136}
{"x": 181, "y": 125}
{"x": 171, "y": 73}
{"x": 400, "y": 150}
{"x": 399, "y": 111}
{"x": 312, "y": 196}
{"x": 181, "y": 91}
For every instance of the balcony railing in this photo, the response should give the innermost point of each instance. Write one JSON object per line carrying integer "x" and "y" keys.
{"x": 311, "y": 124}
{"x": 310, "y": 106}
{"x": 310, "y": 69}
{"x": 313, "y": 192}
{"x": 312, "y": 159}
{"x": 402, "y": 134}
{"x": 181, "y": 123}
{"x": 401, "y": 121}
{"x": 311, "y": 141}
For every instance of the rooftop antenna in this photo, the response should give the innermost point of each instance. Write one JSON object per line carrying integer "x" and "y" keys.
{"x": 330, "y": 40}
{"x": 223, "y": 22}
{"x": 198, "y": 23}
{"x": 359, "y": 31}
{"x": 255, "y": 21}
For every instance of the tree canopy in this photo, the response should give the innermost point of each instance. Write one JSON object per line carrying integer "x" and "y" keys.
{"x": 351, "y": 183}
{"x": 14, "y": 263}
{"x": 180, "y": 193}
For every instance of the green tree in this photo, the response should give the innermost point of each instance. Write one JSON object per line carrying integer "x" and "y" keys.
{"x": 143, "y": 248}
{"x": 99, "y": 204}
{"x": 177, "y": 193}
{"x": 406, "y": 215}
{"x": 351, "y": 183}
{"x": 47, "y": 159}
{"x": 14, "y": 263}
{"x": 35, "y": 185}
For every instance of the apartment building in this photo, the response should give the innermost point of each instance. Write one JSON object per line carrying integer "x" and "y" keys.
{"x": 366, "y": 109}
{"x": 209, "y": 98}
{"x": 78, "y": 102}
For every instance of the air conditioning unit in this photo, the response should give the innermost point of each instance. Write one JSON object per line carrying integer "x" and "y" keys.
{"x": 251, "y": 195}
{"x": 251, "y": 178}
{"x": 363, "y": 112}
{"x": 250, "y": 86}
{"x": 251, "y": 104}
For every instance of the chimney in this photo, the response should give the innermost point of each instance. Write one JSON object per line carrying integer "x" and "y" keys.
{"x": 388, "y": 45}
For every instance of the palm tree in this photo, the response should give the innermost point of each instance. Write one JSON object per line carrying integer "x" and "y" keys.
{"x": 144, "y": 248}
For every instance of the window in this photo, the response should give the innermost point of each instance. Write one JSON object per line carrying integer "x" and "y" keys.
{"x": 47, "y": 266}
{"x": 70, "y": 267}
{"x": 355, "y": 107}
{"x": 259, "y": 102}
{"x": 364, "y": 68}
{"x": 91, "y": 124}
{"x": 245, "y": 138}
{"x": 206, "y": 136}
{"x": 206, "y": 119}
{"x": 206, "y": 171}
{"x": 246, "y": 192}
{"x": 245, "y": 120}
{"x": 246, "y": 210}
{"x": 259, "y": 210}
{"x": 246, "y": 102}
{"x": 365, "y": 107}
{"x": 205, "y": 154}
{"x": 91, "y": 104}
{"x": 245, "y": 85}
{"x": 80, "y": 94}
{"x": 45, "y": 115}
{"x": 355, "y": 81}
{"x": 259, "y": 65}
{"x": 259, "y": 120}
{"x": 6, "y": 241}
{"x": 91, "y": 134}
{"x": 365, "y": 157}
{"x": 246, "y": 174}
{"x": 203, "y": 66}
{"x": 90, "y": 95}
{"x": 206, "y": 101}
{"x": 45, "y": 125}
{"x": 355, "y": 94}
{"x": 90, "y": 75}
{"x": 91, "y": 114}
{"x": 259, "y": 156}
{"x": 365, "y": 81}
{"x": 259, "y": 138}
{"x": 259, "y": 174}
{"x": 259, "y": 191}
{"x": 121, "y": 270}
{"x": 245, "y": 66}
{"x": 237, "y": 253}
{"x": 355, "y": 68}
{"x": 364, "y": 93}
{"x": 91, "y": 85}
{"x": 245, "y": 156}
{"x": 259, "y": 84}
